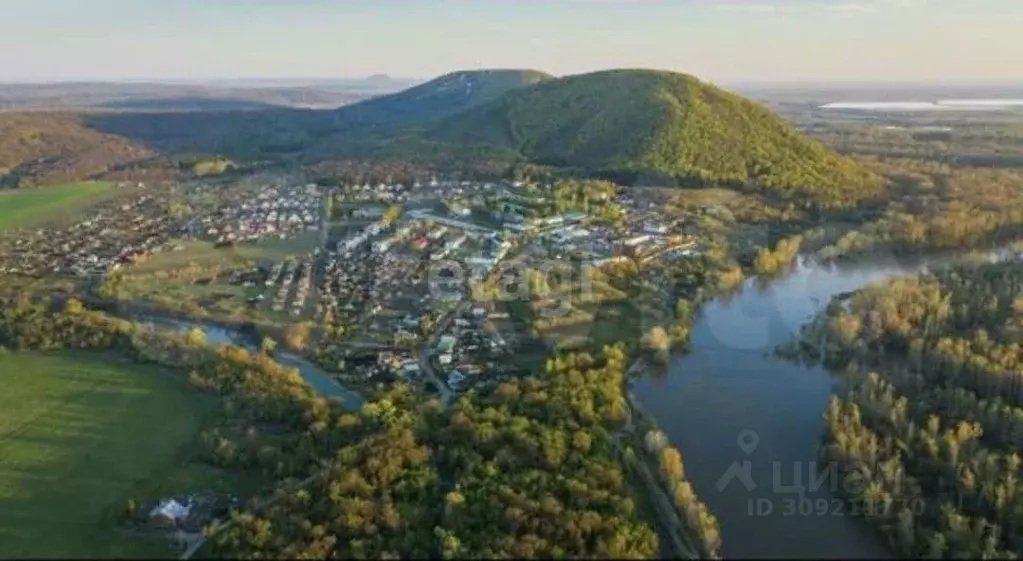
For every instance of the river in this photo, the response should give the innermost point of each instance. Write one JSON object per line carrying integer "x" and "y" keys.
{"x": 321, "y": 381}
{"x": 729, "y": 401}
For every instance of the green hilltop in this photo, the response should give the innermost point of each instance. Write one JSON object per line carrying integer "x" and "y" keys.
{"x": 635, "y": 123}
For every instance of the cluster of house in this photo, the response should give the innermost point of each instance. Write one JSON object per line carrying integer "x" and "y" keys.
{"x": 348, "y": 246}
{"x": 477, "y": 247}
{"x": 390, "y": 365}
{"x": 573, "y": 234}
{"x": 343, "y": 289}
{"x": 648, "y": 231}
{"x": 359, "y": 280}
{"x": 118, "y": 232}
{"x": 374, "y": 277}
{"x": 288, "y": 275}
{"x": 450, "y": 247}
{"x": 489, "y": 253}
{"x": 413, "y": 192}
{"x": 375, "y": 273}
{"x": 381, "y": 269}
{"x": 273, "y": 211}
{"x": 130, "y": 228}
{"x": 467, "y": 351}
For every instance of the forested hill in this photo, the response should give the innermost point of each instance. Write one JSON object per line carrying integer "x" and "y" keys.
{"x": 43, "y": 148}
{"x": 631, "y": 122}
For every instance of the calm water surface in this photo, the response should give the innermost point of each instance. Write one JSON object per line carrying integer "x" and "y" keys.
{"x": 727, "y": 403}
{"x": 321, "y": 381}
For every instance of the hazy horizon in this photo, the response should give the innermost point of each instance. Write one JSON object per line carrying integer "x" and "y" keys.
{"x": 753, "y": 42}
{"x": 327, "y": 80}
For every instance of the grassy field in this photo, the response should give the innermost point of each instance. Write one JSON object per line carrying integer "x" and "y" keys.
{"x": 79, "y": 435}
{"x": 23, "y": 207}
{"x": 168, "y": 279}
{"x": 203, "y": 254}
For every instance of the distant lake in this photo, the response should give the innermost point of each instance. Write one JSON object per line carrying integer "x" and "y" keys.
{"x": 940, "y": 105}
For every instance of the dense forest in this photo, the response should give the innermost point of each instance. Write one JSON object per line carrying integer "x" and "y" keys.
{"x": 933, "y": 206}
{"x": 40, "y": 149}
{"x": 928, "y": 437}
{"x": 525, "y": 469}
{"x": 956, "y": 141}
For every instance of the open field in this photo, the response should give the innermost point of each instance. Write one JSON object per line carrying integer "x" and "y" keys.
{"x": 194, "y": 279}
{"x": 203, "y": 254}
{"x": 79, "y": 435}
{"x": 23, "y": 207}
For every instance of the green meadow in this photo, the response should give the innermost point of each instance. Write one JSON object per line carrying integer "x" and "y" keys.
{"x": 22, "y": 207}
{"x": 80, "y": 434}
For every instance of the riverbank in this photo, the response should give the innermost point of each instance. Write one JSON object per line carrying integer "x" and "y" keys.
{"x": 684, "y": 521}
{"x": 243, "y": 390}
{"x": 749, "y": 422}
{"x": 932, "y": 365}
{"x": 321, "y": 381}
{"x": 725, "y": 403}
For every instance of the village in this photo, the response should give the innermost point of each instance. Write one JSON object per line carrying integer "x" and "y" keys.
{"x": 400, "y": 298}
{"x": 280, "y": 210}
{"x": 391, "y": 278}
{"x": 117, "y": 233}
{"x": 145, "y": 221}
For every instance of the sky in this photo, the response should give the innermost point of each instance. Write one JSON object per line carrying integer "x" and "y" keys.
{"x": 727, "y": 41}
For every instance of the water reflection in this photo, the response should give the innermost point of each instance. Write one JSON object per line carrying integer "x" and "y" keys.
{"x": 731, "y": 384}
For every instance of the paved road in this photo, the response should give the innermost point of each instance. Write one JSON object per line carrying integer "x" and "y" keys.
{"x": 426, "y": 365}
{"x": 324, "y": 222}
{"x": 666, "y": 511}
{"x": 363, "y": 345}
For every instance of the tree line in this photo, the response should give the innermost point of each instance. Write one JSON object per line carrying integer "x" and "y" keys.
{"x": 928, "y": 437}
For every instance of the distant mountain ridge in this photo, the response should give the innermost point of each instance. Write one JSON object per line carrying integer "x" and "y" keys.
{"x": 623, "y": 124}
{"x": 174, "y": 96}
